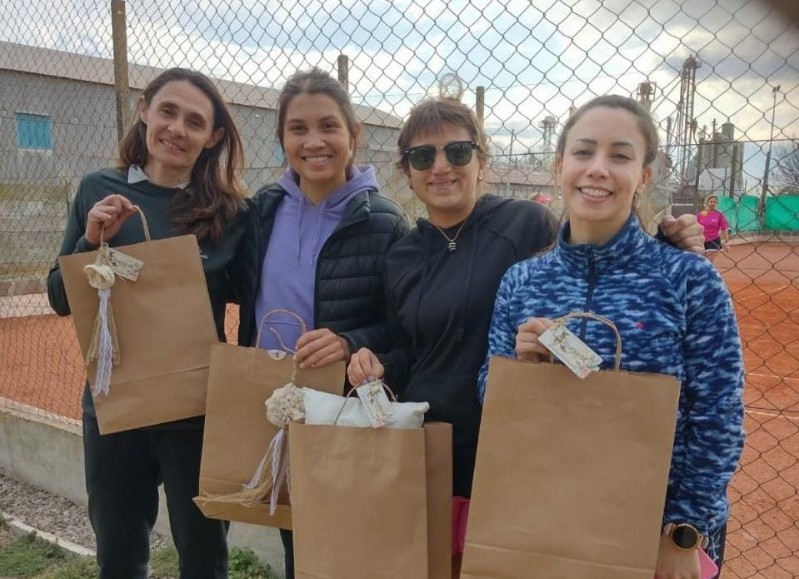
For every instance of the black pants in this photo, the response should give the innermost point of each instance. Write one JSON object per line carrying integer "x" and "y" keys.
{"x": 287, "y": 537}
{"x": 123, "y": 471}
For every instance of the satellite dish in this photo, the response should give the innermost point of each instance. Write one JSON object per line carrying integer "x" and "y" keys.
{"x": 450, "y": 86}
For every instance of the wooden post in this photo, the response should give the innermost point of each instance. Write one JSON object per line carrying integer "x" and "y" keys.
{"x": 121, "y": 86}
{"x": 479, "y": 105}
{"x": 344, "y": 71}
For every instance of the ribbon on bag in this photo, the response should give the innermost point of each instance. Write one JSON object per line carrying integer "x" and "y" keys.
{"x": 101, "y": 275}
{"x": 284, "y": 406}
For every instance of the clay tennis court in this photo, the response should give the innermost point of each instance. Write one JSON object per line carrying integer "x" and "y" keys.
{"x": 40, "y": 365}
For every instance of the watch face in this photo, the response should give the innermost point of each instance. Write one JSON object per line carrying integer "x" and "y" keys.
{"x": 685, "y": 536}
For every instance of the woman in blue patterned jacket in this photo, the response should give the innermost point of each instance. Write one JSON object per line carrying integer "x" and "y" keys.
{"x": 671, "y": 307}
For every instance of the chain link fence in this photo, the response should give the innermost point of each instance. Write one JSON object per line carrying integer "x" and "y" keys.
{"x": 721, "y": 78}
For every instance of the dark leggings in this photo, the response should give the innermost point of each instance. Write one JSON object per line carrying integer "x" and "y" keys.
{"x": 123, "y": 471}
{"x": 287, "y": 537}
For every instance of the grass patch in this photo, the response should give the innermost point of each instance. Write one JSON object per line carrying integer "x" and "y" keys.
{"x": 243, "y": 564}
{"x": 28, "y": 557}
{"x": 164, "y": 563}
{"x": 74, "y": 568}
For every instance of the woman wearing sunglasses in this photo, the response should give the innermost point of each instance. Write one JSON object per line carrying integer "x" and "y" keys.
{"x": 442, "y": 278}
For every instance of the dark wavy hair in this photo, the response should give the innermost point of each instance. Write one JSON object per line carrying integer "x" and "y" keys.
{"x": 210, "y": 202}
{"x": 430, "y": 116}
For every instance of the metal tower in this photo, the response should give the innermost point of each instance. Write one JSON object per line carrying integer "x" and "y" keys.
{"x": 685, "y": 127}
{"x": 547, "y": 125}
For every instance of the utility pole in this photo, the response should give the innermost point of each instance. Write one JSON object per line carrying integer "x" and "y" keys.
{"x": 761, "y": 210}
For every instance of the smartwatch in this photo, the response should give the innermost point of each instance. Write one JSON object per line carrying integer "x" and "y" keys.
{"x": 685, "y": 536}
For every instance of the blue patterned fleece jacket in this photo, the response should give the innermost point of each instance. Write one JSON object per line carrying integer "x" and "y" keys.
{"x": 675, "y": 317}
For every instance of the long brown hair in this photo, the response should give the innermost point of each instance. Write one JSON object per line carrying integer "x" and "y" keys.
{"x": 210, "y": 202}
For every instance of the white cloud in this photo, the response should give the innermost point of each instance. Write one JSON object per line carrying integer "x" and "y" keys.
{"x": 533, "y": 58}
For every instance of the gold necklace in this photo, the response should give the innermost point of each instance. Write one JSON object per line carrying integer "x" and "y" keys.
{"x": 452, "y": 242}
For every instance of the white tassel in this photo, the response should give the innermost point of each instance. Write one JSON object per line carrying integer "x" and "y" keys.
{"x": 280, "y": 467}
{"x": 105, "y": 347}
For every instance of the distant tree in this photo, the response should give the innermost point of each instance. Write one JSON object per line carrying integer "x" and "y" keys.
{"x": 786, "y": 167}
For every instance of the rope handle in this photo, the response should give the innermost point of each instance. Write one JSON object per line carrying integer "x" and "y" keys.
{"x": 303, "y": 327}
{"x": 607, "y": 321}
{"x": 353, "y": 389}
{"x": 144, "y": 224}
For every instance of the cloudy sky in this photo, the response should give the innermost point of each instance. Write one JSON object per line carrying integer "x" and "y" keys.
{"x": 534, "y": 57}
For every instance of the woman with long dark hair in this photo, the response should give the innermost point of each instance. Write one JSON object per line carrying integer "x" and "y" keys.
{"x": 180, "y": 163}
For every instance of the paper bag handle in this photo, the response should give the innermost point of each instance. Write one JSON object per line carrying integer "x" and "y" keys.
{"x": 617, "y": 357}
{"x": 353, "y": 389}
{"x": 144, "y": 225}
{"x": 303, "y": 327}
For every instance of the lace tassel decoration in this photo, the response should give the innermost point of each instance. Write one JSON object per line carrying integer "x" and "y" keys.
{"x": 104, "y": 346}
{"x": 284, "y": 406}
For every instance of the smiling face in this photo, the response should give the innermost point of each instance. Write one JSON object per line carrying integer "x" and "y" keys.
{"x": 180, "y": 125}
{"x": 318, "y": 143}
{"x": 449, "y": 192}
{"x": 600, "y": 171}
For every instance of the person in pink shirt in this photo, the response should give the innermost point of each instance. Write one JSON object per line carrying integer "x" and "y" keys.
{"x": 715, "y": 224}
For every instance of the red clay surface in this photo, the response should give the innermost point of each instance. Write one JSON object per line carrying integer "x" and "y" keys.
{"x": 40, "y": 365}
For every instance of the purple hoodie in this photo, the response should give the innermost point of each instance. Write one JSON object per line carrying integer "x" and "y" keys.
{"x": 288, "y": 274}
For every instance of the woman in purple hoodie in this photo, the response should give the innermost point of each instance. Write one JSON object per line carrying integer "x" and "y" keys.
{"x": 322, "y": 234}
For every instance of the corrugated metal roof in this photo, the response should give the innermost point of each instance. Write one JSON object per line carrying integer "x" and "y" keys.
{"x": 92, "y": 69}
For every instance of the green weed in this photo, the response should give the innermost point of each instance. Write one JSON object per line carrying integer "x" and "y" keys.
{"x": 243, "y": 564}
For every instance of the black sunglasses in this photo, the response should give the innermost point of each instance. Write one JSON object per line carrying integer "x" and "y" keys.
{"x": 459, "y": 153}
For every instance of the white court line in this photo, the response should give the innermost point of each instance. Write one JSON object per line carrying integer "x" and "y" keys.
{"x": 756, "y": 375}
{"x": 775, "y": 414}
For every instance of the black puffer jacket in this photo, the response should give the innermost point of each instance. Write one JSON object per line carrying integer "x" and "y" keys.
{"x": 440, "y": 304}
{"x": 349, "y": 298}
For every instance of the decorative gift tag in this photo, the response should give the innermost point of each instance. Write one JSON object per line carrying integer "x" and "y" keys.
{"x": 570, "y": 350}
{"x": 124, "y": 265}
{"x": 376, "y": 403}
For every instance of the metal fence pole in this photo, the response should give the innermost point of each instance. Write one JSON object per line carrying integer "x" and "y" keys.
{"x": 762, "y": 205}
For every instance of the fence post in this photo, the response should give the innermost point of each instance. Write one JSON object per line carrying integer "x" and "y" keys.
{"x": 121, "y": 86}
{"x": 762, "y": 205}
{"x": 479, "y": 105}
{"x": 344, "y": 71}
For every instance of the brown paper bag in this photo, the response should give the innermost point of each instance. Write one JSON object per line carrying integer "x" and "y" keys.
{"x": 371, "y": 503}
{"x": 571, "y": 474}
{"x": 237, "y": 432}
{"x": 165, "y": 327}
